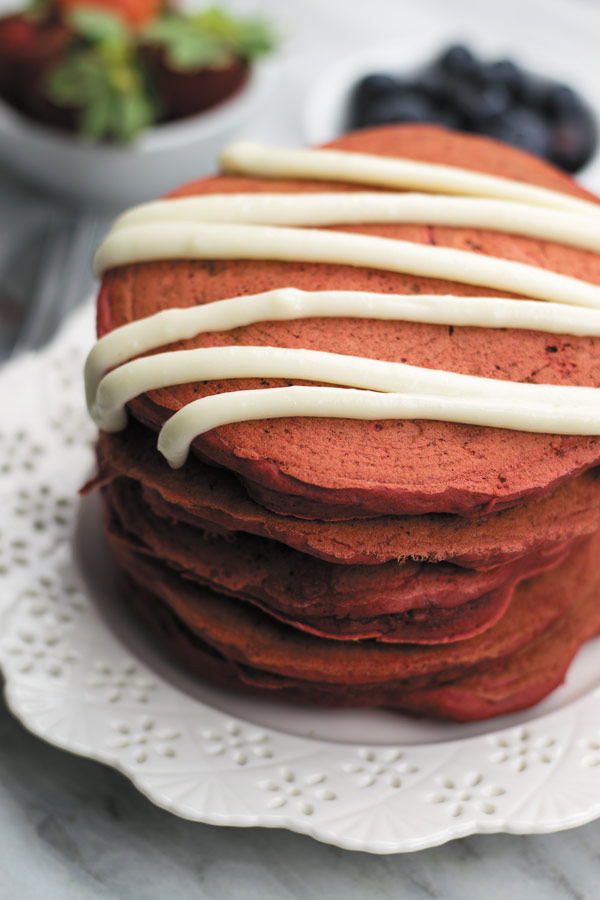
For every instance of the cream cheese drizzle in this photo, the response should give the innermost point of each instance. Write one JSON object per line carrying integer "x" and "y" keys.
{"x": 346, "y": 403}
{"x": 285, "y": 304}
{"x": 250, "y": 158}
{"x": 143, "y": 243}
{"x": 338, "y": 208}
{"x": 277, "y": 227}
{"x": 212, "y": 363}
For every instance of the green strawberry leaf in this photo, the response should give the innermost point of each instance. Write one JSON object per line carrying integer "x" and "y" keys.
{"x": 75, "y": 80}
{"x": 98, "y": 26}
{"x": 186, "y": 48}
{"x": 246, "y": 38}
{"x": 132, "y": 114}
{"x": 217, "y": 22}
{"x": 95, "y": 116}
{"x": 38, "y": 9}
{"x": 195, "y": 50}
{"x": 209, "y": 39}
{"x": 110, "y": 94}
{"x": 167, "y": 28}
{"x": 256, "y": 38}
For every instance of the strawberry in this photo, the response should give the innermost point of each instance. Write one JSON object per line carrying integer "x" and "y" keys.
{"x": 186, "y": 93}
{"x": 198, "y": 60}
{"x": 19, "y": 43}
{"x": 28, "y": 50}
{"x": 134, "y": 12}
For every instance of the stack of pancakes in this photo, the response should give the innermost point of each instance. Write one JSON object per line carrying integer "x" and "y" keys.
{"x": 438, "y": 568}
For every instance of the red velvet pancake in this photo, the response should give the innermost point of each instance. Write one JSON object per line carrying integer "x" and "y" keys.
{"x": 251, "y": 638}
{"x": 334, "y": 468}
{"x": 432, "y": 567}
{"x": 479, "y": 678}
{"x": 503, "y": 688}
{"x": 212, "y": 498}
{"x": 412, "y": 602}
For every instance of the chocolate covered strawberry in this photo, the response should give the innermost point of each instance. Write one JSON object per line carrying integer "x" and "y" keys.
{"x": 201, "y": 59}
{"x": 187, "y": 93}
{"x": 28, "y": 48}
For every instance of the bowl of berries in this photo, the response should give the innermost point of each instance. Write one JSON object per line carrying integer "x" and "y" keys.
{"x": 117, "y": 101}
{"x": 458, "y": 87}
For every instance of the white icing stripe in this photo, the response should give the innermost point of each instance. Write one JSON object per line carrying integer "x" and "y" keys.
{"x": 199, "y": 228}
{"x": 143, "y": 243}
{"x": 222, "y": 409}
{"x": 339, "y": 208}
{"x": 212, "y": 363}
{"x": 286, "y": 304}
{"x": 249, "y": 158}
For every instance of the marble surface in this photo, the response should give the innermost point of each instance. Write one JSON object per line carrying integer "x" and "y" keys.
{"x": 71, "y": 829}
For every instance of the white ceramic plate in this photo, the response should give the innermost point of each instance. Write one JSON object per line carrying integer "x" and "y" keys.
{"x": 80, "y": 676}
{"x": 327, "y": 104}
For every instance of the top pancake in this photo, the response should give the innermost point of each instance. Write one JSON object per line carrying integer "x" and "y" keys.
{"x": 337, "y": 468}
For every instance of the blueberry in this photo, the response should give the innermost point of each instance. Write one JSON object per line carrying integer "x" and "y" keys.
{"x": 523, "y": 128}
{"x": 445, "y": 116}
{"x": 534, "y": 93}
{"x": 433, "y": 82}
{"x": 373, "y": 86}
{"x": 366, "y": 92}
{"x": 573, "y": 141}
{"x": 560, "y": 100}
{"x": 506, "y": 73}
{"x": 458, "y": 60}
{"x": 477, "y": 105}
{"x": 400, "y": 107}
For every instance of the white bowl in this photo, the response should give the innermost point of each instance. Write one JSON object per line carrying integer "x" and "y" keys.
{"x": 327, "y": 105}
{"x": 117, "y": 176}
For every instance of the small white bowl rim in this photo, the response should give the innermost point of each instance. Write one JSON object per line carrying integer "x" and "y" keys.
{"x": 159, "y": 138}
